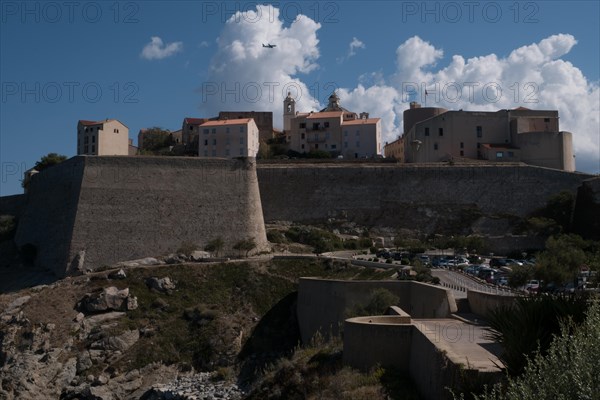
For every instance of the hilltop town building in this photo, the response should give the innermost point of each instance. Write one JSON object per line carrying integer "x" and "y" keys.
{"x": 395, "y": 149}
{"x": 102, "y": 138}
{"x": 334, "y": 129}
{"x": 263, "y": 120}
{"x": 530, "y": 136}
{"x": 190, "y": 131}
{"x": 229, "y": 138}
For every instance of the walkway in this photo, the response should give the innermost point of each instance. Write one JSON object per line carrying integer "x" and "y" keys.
{"x": 463, "y": 343}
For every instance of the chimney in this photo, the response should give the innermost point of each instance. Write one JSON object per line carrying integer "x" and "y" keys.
{"x": 414, "y": 104}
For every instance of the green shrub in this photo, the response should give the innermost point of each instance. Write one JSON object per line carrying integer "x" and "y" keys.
{"x": 187, "y": 248}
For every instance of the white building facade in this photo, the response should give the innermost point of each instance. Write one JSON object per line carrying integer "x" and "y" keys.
{"x": 102, "y": 138}
{"x": 228, "y": 138}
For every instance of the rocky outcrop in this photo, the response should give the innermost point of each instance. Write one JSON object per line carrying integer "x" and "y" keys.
{"x": 194, "y": 387}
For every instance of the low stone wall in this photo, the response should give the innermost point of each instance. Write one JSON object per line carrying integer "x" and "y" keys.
{"x": 324, "y": 305}
{"x": 481, "y": 303}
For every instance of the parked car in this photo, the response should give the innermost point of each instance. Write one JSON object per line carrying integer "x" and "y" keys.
{"x": 502, "y": 280}
{"x": 533, "y": 286}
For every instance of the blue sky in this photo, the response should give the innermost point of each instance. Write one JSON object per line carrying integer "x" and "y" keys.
{"x": 65, "y": 61}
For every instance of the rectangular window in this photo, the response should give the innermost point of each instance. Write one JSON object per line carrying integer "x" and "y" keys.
{"x": 499, "y": 154}
{"x": 316, "y": 145}
{"x": 546, "y": 119}
{"x": 357, "y": 133}
{"x": 85, "y": 149}
{"x": 214, "y": 142}
{"x": 205, "y": 131}
{"x": 241, "y": 129}
{"x": 462, "y": 153}
{"x": 214, "y": 153}
{"x": 303, "y": 125}
{"x": 227, "y": 130}
{"x": 462, "y": 145}
{"x": 206, "y": 142}
{"x": 302, "y": 136}
{"x": 93, "y": 148}
{"x": 441, "y": 131}
{"x": 346, "y": 144}
{"x": 326, "y": 135}
{"x": 426, "y": 131}
{"x": 326, "y": 124}
{"x": 93, "y": 139}
{"x": 86, "y": 139}
{"x": 334, "y": 146}
{"x": 478, "y": 145}
{"x": 302, "y": 146}
{"x": 435, "y": 146}
{"x": 241, "y": 140}
{"x": 345, "y": 133}
{"x": 214, "y": 130}
{"x": 479, "y": 130}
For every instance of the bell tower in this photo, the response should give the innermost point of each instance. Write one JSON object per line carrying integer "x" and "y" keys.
{"x": 289, "y": 112}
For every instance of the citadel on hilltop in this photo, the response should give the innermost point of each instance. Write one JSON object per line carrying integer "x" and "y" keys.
{"x": 431, "y": 135}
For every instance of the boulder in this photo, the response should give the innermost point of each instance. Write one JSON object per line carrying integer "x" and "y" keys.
{"x": 120, "y": 274}
{"x": 109, "y": 299}
{"x": 199, "y": 255}
{"x": 163, "y": 285}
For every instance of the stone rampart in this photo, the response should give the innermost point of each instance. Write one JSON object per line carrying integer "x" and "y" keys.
{"x": 431, "y": 198}
{"x": 109, "y": 209}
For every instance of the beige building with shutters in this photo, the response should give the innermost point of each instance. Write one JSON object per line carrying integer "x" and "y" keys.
{"x": 334, "y": 129}
{"x": 530, "y": 136}
{"x": 102, "y": 138}
{"x": 228, "y": 138}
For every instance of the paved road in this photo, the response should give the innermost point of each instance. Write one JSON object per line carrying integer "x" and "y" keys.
{"x": 460, "y": 283}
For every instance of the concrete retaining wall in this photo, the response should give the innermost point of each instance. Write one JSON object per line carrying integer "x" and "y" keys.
{"x": 323, "y": 305}
{"x": 481, "y": 303}
{"x": 378, "y": 340}
{"x": 123, "y": 208}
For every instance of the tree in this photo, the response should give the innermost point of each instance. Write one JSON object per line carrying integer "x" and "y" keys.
{"x": 562, "y": 258}
{"x": 215, "y": 245}
{"x": 245, "y": 245}
{"x": 568, "y": 370}
{"x": 49, "y": 160}
{"x": 156, "y": 139}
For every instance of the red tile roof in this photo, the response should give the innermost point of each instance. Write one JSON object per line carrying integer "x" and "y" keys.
{"x": 194, "y": 121}
{"x": 228, "y": 122}
{"x": 326, "y": 114}
{"x": 360, "y": 121}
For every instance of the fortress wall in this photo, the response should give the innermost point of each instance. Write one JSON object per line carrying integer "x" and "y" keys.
{"x": 133, "y": 207}
{"x": 48, "y": 217}
{"x": 12, "y": 205}
{"x": 323, "y": 304}
{"x": 428, "y": 197}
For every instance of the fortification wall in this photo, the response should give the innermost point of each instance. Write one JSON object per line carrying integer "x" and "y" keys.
{"x": 47, "y": 220}
{"x": 429, "y": 197}
{"x": 120, "y": 208}
{"x": 12, "y": 205}
{"x": 323, "y": 305}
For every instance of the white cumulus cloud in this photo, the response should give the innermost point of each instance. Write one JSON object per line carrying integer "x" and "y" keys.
{"x": 157, "y": 50}
{"x": 244, "y": 75}
{"x": 353, "y": 46}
